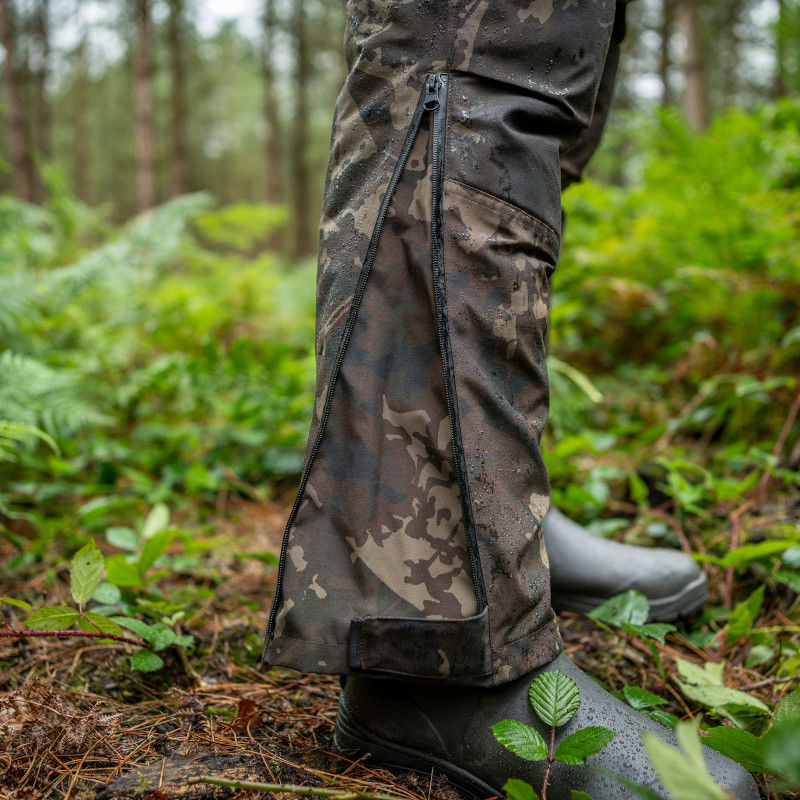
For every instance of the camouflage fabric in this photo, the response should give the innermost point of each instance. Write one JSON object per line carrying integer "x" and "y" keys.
{"x": 414, "y": 547}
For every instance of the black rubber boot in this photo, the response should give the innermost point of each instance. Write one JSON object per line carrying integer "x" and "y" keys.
{"x": 424, "y": 727}
{"x": 585, "y": 570}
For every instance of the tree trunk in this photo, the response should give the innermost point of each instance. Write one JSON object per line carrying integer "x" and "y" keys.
{"x": 42, "y": 128}
{"x": 143, "y": 95}
{"x": 24, "y": 174}
{"x": 82, "y": 144}
{"x": 176, "y": 41}
{"x": 694, "y": 97}
{"x": 299, "y": 158}
{"x": 664, "y": 58}
{"x": 273, "y": 140}
{"x": 779, "y": 88}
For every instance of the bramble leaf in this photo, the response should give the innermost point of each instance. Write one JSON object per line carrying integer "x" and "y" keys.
{"x": 582, "y": 744}
{"x": 86, "y": 572}
{"x": 554, "y": 697}
{"x": 520, "y": 739}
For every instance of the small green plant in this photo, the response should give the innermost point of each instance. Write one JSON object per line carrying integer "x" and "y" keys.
{"x": 555, "y": 698}
{"x": 104, "y": 621}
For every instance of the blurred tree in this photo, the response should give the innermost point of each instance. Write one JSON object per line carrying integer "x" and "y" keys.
{"x": 694, "y": 66}
{"x": 272, "y": 116}
{"x": 143, "y": 92}
{"x": 176, "y": 45}
{"x": 302, "y": 241}
{"x": 666, "y": 27}
{"x": 81, "y": 169}
{"x": 40, "y": 112}
{"x": 24, "y": 172}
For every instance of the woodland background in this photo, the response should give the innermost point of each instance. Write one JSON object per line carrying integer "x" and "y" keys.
{"x": 162, "y": 169}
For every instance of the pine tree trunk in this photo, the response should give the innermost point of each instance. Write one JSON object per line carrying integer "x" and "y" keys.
{"x": 273, "y": 139}
{"x": 24, "y": 174}
{"x": 694, "y": 98}
{"x": 779, "y": 88}
{"x": 664, "y": 58}
{"x": 302, "y": 245}
{"x": 176, "y": 40}
{"x": 143, "y": 95}
{"x": 42, "y": 127}
{"x": 82, "y": 142}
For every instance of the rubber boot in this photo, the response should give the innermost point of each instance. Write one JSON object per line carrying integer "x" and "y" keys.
{"x": 586, "y": 570}
{"x": 447, "y": 729}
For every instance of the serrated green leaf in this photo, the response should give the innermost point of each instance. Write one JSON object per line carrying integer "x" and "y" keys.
{"x": 781, "y": 753}
{"x": 17, "y": 603}
{"x": 640, "y": 699}
{"x": 136, "y": 625}
{"x": 122, "y": 573}
{"x": 788, "y": 707}
{"x": 631, "y": 607}
{"x": 161, "y": 636}
{"x": 107, "y": 594}
{"x": 582, "y": 744}
{"x": 145, "y": 661}
{"x": 681, "y": 776}
{"x": 515, "y": 789}
{"x": 55, "y": 618}
{"x": 720, "y": 698}
{"x": 104, "y": 624}
{"x": 650, "y": 630}
{"x": 741, "y": 746}
{"x": 153, "y": 550}
{"x": 710, "y": 674}
{"x": 663, "y": 718}
{"x": 86, "y": 572}
{"x": 157, "y": 520}
{"x": 123, "y": 538}
{"x": 554, "y": 697}
{"x": 520, "y": 739}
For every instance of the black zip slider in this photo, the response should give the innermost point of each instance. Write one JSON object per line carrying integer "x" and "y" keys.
{"x": 433, "y": 91}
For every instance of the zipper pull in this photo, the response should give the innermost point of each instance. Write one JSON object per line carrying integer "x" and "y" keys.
{"x": 433, "y": 92}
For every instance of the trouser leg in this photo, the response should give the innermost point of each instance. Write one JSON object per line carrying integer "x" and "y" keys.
{"x": 414, "y": 547}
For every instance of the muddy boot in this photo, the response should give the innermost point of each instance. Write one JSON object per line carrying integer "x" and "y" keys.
{"x": 424, "y": 727}
{"x": 586, "y": 570}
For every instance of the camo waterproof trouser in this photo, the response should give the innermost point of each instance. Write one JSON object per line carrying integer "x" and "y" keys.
{"x": 414, "y": 547}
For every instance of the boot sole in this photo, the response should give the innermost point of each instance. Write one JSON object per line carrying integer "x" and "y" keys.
{"x": 350, "y": 735}
{"x": 684, "y": 603}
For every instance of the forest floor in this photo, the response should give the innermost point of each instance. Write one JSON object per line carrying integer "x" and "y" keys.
{"x": 90, "y": 728}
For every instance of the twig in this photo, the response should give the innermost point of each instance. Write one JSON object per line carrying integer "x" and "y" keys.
{"x": 761, "y": 490}
{"x": 288, "y": 788}
{"x": 25, "y": 634}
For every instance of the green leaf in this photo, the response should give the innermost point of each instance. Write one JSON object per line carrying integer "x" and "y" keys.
{"x": 631, "y": 607}
{"x": 741, "y": 746}
{"x": 788, "y": 707}
{"x": 787, "y": 578}
{"x": 52, "y": 618}
{"x": 516, "y": 789}
{"x": 721, "y": 698}
{"x": 663, "y": 718}
{"x": 121, "y": 572}
{"x": 554, "y": 697}
{"x": 521, "y": 739}
{"x": 791, "y": 557}
{"x": 18, "y": 603}
{"x": 752, "y": 552}
{"x": 650, "y": 630}
{"x": 582, "y": 744}
{"x": 86, "y": 572}
{"x": 710, "y": 674}
{"x": 576, "y": 795}
{"x": 107, "y": 594}
{"x": 105, "y": 624}
{"x": 682, "y": 775}
{"x": 157, "y": 520}
{"x": 161, "y": 636}
{"x": 145, "y": 661}
{"x": 744, "y": 615}
{"x": 781, "y": 753}
{"x": 153, "y": 550}
{"x": 124, "y": 538}
{"x": 136, "y": 625}
{"x": 640, "y": 699}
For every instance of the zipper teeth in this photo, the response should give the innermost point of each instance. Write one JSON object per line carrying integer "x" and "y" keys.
{"x": 351, "y": 320}
{"x": 438, "y": 134}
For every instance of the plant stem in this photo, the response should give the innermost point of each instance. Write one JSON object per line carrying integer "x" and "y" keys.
{"x": 11, "y": 633}
{"x": 550, "y": 759}
{"x": 287, "y": 788}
